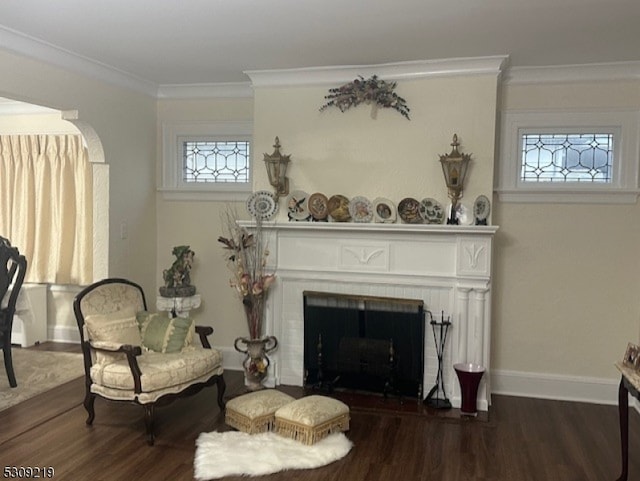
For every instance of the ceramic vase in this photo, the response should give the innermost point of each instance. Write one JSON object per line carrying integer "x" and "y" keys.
{"x": 256, "y": 362}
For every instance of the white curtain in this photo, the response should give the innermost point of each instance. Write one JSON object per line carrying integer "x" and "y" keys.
{"x": 46, "y": 205}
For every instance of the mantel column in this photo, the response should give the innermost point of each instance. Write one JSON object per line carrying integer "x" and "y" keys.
{"x": 480, "y": 341}
{"x": 462, "y": 307}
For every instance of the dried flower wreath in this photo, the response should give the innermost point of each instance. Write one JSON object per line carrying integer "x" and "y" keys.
{"x": 371, "y": 91}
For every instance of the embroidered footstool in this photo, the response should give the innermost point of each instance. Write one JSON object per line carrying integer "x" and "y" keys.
{"x": 312, "y": 418}
{"x": 254, "y": 412}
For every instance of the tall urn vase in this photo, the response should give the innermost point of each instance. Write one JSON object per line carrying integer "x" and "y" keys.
{"x": 256, "y": 362}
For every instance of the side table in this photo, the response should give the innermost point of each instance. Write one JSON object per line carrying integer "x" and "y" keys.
{"x": 629, "y": 384}
{"x": 178, "y": 306}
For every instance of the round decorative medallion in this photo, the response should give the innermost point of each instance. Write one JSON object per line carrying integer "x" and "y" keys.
{"x": 262, "y": 204}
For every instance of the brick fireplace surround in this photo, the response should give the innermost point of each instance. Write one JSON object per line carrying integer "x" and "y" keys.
{"x": 448, "y": 267}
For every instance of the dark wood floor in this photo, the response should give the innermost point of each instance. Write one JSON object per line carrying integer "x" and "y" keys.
{"x": 522, "y": 439}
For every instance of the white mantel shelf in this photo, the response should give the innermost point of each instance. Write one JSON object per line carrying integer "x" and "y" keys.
{"x": 376, "y": 227}
{"x": 448, "y": 267}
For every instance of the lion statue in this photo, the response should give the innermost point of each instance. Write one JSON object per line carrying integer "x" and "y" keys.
{"x": 177, "y": 279}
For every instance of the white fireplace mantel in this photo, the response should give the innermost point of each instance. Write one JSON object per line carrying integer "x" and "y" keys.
{"x": 447, "y": 267}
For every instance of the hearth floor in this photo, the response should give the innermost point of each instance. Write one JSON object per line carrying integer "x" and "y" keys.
{"x": 362, "y": 401}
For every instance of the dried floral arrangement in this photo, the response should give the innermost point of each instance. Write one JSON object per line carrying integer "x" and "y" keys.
{"x": 246, "y": 255}
{"x": 371, "y": 91}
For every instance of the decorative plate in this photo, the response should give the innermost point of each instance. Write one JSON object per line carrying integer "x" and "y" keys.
{"x": 432, "y": 211}
{"x": 384, "y": 210}
{"x": 361, "y": 209}
{"x": 481, "y": 208}
{"x": 298, "y": 205}
{"x": 262, "y": 204}
{"x": 463, "y": 214}
{"x": 318, "y": 206}
{"x": 339, "y": 208}
{"x": 409, "y": 210}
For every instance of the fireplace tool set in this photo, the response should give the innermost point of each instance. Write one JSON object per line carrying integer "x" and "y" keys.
{"x": 440, "y": 330}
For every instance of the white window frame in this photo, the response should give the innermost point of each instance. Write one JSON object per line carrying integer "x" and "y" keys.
{"x": 174, "y": 134}
{"x": 623, "y": 188}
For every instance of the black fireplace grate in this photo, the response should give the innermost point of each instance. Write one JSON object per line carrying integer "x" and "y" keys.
{"x": 364, "y": 343}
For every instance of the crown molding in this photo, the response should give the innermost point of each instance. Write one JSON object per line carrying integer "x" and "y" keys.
{"x": 37, "y": 49}
{"x": 209, "y": 90}
{"x": 31, "y": 47}
{"x": 317, "y": 76}
{"x": 596, "y": 72}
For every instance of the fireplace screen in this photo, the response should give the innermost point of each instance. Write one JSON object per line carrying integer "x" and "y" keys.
{"x": 364, "y": 343}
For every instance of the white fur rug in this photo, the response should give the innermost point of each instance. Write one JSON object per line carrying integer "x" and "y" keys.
{"x": 234, "y": 453}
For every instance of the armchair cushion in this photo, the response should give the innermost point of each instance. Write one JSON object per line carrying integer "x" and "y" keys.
{"x": 161, "y": 373}
{"x": 119, "y": 327}
{"x": 161, "y": 333}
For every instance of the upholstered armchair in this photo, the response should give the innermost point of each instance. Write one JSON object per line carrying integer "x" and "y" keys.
{"x": 132, "y": 355}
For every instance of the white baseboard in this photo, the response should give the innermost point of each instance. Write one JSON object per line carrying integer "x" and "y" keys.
{"x": 511, "y": 383}
{"x": 231, "y": 359}
{"x": 63, "y": 334}
{"x": 516, "y": 383}
{"x": 553, "y": 386}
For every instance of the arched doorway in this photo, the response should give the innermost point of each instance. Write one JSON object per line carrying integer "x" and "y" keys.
{"x": 18, "y": 117}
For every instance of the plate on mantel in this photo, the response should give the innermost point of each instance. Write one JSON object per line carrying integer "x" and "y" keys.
{"x": 481, "y": 209}
{"x": 262, "y": 204}
{"x": 318, "y": 206}
{"x": 298, "y": 205}
{"x": 432, "y": 211}
{"x": 339, "y": 208}
{"x": 361, "y": 209}
{"x": 384, "y": 211}
{"x": 409, "y": 211}
{"x": 463, "y": 213}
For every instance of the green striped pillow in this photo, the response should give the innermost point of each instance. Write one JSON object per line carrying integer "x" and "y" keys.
{"x": 161, "y": 333}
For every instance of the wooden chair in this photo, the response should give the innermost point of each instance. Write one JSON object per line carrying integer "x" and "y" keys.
{"x": 12, "y": 270}
{"x": 120, "y": 367}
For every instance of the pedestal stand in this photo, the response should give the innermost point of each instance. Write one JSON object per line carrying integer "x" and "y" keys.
{"x": 178, "y": 306}
{"x": 434, "y": 398}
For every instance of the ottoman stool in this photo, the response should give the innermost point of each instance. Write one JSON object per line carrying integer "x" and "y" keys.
{"x": 254, "y": 412}
{"x": 312, "y": 418}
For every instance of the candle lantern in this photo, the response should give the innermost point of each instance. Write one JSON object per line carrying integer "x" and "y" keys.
{"x": 454, "y": 167}
{"x": 277, "y": 169}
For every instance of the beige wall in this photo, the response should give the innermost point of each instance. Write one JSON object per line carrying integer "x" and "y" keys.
{"x": 352, "y": 154}
{"x": 125, "y": 122}
{"x": 332, "y": 152}
{"x": 197, "y": 223}
{"x": 567, "y": 276}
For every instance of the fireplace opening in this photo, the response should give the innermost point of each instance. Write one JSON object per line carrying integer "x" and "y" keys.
{"x": 364, "y": 343}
